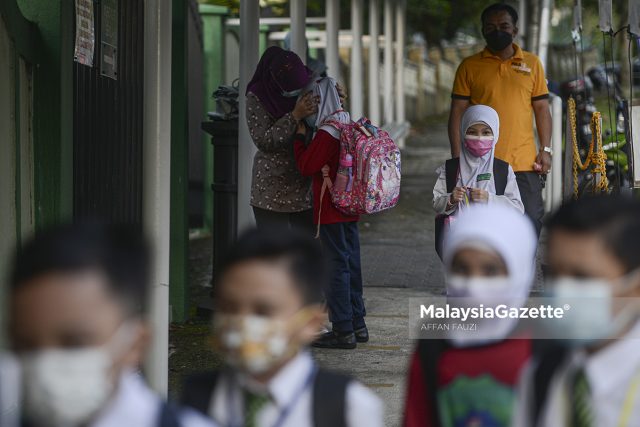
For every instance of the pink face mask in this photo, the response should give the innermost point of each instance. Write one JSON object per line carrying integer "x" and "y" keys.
{"x": 478, "y": 145}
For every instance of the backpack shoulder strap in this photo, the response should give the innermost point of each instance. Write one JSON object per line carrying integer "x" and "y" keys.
{"x": 197, "y": 391}
{"x": 550, "y": 358}
{"x": 500, "y": 175}
{"x": 329, "y": 399}
{"x": 429, "y": 352}
{"x": 451, "y": 167}
{"x": 168, "y": 416}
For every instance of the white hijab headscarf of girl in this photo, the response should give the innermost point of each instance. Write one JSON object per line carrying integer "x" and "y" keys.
{"x": 511, "y": 235}
{"x": 329, "y": 107}
{"x": 470, "y": 165}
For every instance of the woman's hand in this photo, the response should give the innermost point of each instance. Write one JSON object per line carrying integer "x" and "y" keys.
{"x": 479, "y": 195}
{"x": 305, "y": 106}
{"x": 457, "y": 195}
{"x": 341, "y": 93}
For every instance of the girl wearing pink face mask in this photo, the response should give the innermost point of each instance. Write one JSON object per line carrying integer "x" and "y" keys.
{"x": 476, "y": 176}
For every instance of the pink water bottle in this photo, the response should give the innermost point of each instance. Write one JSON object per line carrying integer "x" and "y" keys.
{"x": 344, "y": 176}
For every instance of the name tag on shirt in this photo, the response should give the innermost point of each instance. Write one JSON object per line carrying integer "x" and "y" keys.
{"x": 521, "y": 67}
{"x": 484, "y": 177}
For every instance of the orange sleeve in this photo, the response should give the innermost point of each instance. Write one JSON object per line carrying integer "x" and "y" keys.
{"x": 540, "y": 90}
{"x": 461, "y": 84}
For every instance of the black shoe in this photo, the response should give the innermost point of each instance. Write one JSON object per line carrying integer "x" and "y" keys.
{"x": 333, "y": 339}
{"x": 362, "y": 334}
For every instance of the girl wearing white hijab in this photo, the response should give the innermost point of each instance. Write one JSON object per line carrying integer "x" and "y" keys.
{"x": 470, "y": 377}
{"x": 338, "y": 232}
{"x": 475, "y": 178}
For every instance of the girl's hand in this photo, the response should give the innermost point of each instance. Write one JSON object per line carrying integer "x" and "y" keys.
{"x": 301, "y": 128}
{"x": 341, "y": 93}
{"x": 305, "y": 106}
{"x": 457, "y": 195}
{"x": 479, "y": 195}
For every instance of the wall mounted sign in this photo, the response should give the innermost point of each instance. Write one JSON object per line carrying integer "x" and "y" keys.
{"x": 85, "y": 33}
{"x": 109, "y": 39}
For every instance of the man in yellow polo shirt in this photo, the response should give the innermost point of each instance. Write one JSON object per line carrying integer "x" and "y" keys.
{"x": 512, "y": 82}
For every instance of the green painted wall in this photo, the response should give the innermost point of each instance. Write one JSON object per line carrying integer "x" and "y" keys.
{"x": 53, "y": 107}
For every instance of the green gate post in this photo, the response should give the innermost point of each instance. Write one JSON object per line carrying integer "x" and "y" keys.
{"x": 179, "y": 230}
{"x": 213, "y": 33}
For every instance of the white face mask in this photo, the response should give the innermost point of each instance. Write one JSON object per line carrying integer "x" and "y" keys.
{"x": 591, "y": 317}
{"x": 65, "y": 388}
{"x": 256, "y": 344}
{"x": 472, "y": 292}
{"x": 491, "y": 290}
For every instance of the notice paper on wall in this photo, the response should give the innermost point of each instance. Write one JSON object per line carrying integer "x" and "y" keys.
{"x": 85, "y": 33}
{"x": 634, "y": 17}
{"x": 604, "y": 10}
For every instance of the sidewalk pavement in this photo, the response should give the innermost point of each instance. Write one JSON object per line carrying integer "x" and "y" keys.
{"x": 399, "y": 262}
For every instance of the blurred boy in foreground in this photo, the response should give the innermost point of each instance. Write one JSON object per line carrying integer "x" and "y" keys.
{"x": 268, "y": 310}
{"x": 591, "y": 375}
{"x": 76, "y": 325}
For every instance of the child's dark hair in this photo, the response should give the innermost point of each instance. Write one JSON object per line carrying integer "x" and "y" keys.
{"x": 499, "y": 7}
{"x": 302, "y": 255}
{"x": 614, "y": 219}
{"x": 119, "y": 252}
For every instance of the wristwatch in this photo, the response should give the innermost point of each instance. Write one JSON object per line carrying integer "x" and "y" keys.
{"x": 548, "y": 150}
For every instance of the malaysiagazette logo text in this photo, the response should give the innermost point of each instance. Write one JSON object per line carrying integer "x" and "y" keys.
{"x": 501, "y": 311}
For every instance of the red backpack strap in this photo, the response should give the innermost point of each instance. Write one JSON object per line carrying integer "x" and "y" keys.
{"x": 326, "y": 183}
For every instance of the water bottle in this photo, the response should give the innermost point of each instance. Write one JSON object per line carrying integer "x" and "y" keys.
{"x": 344, "y": 176}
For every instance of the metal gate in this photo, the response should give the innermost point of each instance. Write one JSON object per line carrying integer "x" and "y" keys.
{"x": 107, "y": 125}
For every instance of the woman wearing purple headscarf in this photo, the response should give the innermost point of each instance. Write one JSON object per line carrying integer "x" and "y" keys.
{"x": 280, "y": 195}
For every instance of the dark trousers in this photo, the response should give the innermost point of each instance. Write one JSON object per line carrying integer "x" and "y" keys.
{"x": 298, "y": 220}
{"x": 341, "y": 243}
{"x": 530, "y": 187}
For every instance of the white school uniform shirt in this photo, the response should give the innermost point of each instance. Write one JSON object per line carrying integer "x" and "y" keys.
{"x": 362, "y": 406}
{"x": 136, "y": 405}
{"x": 511, "y": 195}
{"x": 610, "y": 373}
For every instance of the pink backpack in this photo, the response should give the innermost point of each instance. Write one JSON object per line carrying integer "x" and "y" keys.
{"x": 375, "y": 171}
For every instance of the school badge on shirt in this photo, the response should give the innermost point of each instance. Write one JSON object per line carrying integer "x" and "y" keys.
{"x": 483, "y": 177}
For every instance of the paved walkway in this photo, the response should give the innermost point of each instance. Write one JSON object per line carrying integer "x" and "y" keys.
{"x": 399, "y": 262}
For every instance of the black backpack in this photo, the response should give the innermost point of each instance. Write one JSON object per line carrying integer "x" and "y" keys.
{"x": 328, "y": 396}
{"x": 451, "y": 167}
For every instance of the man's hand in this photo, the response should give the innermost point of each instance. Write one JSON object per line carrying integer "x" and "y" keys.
{"x": 543, "y": 163}
{"x": 457, "y": 195}
{"x": 479, "y": 195}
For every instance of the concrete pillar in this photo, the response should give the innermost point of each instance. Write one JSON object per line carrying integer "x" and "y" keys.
{"x": 156, "y": 180}
{"x": 399, "y": 57}
{"x": 388, "y": 62}
{"x": 332, "y": 53}
{"x": 298, "y": 26}
{"x": 543, "y": 36}
{"x": 374, "y": 62}
{"x": 356, "y": 96}
{"x": 249, "y": 44}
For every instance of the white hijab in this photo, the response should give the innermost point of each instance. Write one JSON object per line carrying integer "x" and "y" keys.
{"x": 329, "y": 106}
{"x": 508, "y": 233}
{"x": 470, "y": 165}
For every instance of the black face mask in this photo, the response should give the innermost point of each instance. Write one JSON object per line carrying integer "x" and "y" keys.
{"x": 498, "y": 40}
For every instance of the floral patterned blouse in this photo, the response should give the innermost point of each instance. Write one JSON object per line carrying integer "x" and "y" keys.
{"x": 276, "y": 183}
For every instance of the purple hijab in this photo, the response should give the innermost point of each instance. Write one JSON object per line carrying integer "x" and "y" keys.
{"x": 278, "y": 70}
